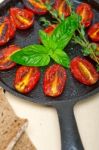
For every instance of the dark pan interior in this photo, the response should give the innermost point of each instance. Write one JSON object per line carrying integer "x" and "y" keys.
{"x": 73, "y": 90}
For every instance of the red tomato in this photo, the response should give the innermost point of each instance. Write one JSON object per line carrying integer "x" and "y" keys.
{"x": 23, "y": 18}
{"x": 84, "y": 71}
{"x": 5, "y": 61}
{"x": 85, "y": 11}
{"x": 12, "y": 27}
{"x": 50, "y": 29}
{"x": 26, "y": 79}
{"x": 4, "y": 30}
{"x": 62, "y": 8}
{"x": 35, "y": 6}
{"x": 93, "y": 32}
{"x": 54, "y": 80}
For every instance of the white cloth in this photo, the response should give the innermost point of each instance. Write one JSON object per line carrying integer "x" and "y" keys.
{"x": 43, "y": 126}
{"x": 87, "y": 117}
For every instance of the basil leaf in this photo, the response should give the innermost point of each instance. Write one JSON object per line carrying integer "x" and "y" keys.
{"x": 61, "y": 57}
{"x": 33, "y": 55}
{"x": 65, "y": 30}
{"x": 47, "y": 40}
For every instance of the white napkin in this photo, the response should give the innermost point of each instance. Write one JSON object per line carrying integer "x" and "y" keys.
{"x": 43, "y": 126}
{"x": 1, "y": 1}
{"x": 87, "y": 117}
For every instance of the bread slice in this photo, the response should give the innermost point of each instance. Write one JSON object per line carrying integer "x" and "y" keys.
{"x": 24, "y": 143}
{"x": 11, "y": 127}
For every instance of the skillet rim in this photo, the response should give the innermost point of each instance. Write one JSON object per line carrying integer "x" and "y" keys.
{"x": 52, "y": 102}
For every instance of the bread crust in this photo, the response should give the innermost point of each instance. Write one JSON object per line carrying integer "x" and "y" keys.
{"x": 12, "y": 135}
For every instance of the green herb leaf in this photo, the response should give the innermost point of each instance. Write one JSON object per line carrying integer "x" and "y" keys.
{"x": 82, "y": 30}
{"x": 86, "y": 52}
{"x": 61, "y": 58}
{"x": 33, "y": 55}
{"x": 45, "y": 22}
{"x": 47, "y": 40}
{"x": 64, "y": 32}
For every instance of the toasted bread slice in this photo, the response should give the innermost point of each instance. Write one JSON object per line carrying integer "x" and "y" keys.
{"x": 11, "y": 128}
{"x": 24, "y": 143}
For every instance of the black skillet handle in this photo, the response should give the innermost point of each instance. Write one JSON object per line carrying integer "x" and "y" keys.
{"x": 69, "y": 133}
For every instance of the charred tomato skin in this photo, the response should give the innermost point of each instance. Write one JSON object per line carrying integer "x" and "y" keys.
{"x": 54, "y": 80}
{"x": 5, "y": 62}
{"x": 93, "y": 32}
{"x": 4, "y": 30}
{"x": 22, "y": 18}
{"x": 36, "y": 7}
{"x": 62, "y": 8}
{"x": 26, "y": 79}
{"x": 84, "y": 71}
{"x": 85, "y": 11}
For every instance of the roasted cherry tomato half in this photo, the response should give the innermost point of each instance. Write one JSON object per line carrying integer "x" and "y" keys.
{"x": 84, "y": 71}
{"x": 85, "y": 11}
{"x": 93, "y": 32}
{"x": 54, "y": 80}
{"x": 5, "y": 30}
{"x": 5, "y": 61}
{"x": 23, "y": 18}
{"x": 62, "y": 7}
{"x": 26, "y": 79}
{"x": 35, "y": 6}
{"x": 50, "y": 29}
{"x": 12, "y": 27}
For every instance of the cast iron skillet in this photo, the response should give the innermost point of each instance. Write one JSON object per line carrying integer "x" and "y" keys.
{"x": 74, "y": 91}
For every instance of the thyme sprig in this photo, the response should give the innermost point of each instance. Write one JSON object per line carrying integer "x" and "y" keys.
{"x": 80, "y": 38}
{"x": 88, "y": 48}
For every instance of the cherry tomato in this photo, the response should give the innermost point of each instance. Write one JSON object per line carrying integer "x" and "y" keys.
{"x": 23, "y": 18}
{"x": 85, "y": 11}
{"x": 37, "y": 7}
{"x": 84, "y": 71}
{"x": 12, "y": 27}
{"x": 93, "y": 32}
{"x": 50, "y": 29}
{"x": 62, "y": 7}
{"x": 26, "y": 79}
{"x": 4, "y": 30}
{"x": 54, "y": 80}
{"x": 5, "y": 61}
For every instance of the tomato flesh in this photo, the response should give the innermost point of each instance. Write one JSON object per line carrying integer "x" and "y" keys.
{"x": 37, "y": 7}
{"x": 5, "y": 61}
{"x": 85, "y": 11}
{"x": 62, "y": 8}
{"x": 93, "y": 32}
{"x": 4, "y": 30}
{"x": 23, "y": 18}
{"x": 12, "y": 27}
{"x": 54, "y": 80}
{"x": 84, "y": 71}
{"x": 26, "y": 79}
{"x": 49, "y": 30}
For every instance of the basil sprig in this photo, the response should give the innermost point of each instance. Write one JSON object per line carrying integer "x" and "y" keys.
{"x": 52, "y": 46}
